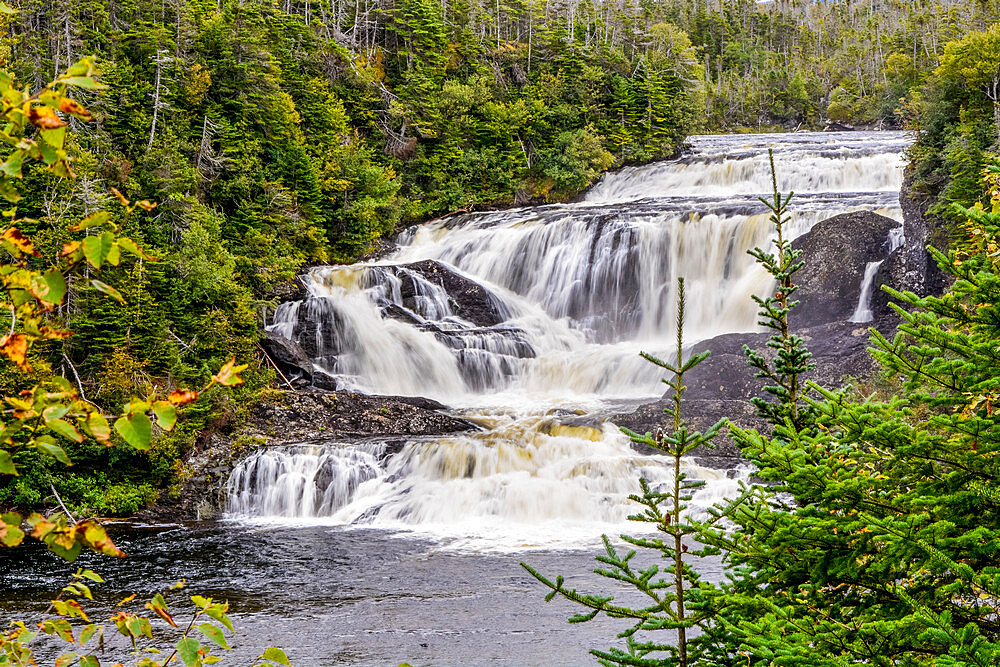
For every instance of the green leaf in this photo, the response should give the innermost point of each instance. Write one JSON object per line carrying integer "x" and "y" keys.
{"x": 50, "y": 287}
{"x": 68, "y": 554}
{"x": 11, "y": 534}
{"x": 6, "y": 463}
{"x": 90, "y": 574}
{"x": 61, "y": 627}
{"x": 108, "y": 289}
{"x": 88, "y": 633}
{"x": 98, "y": 427}
{"x": 55, "y": 138}
{"x": 114, "y": 255}
{"x": 66, "y": 659}
{"x": 138, "y": 625}
{"x": 131, "y": 246}
{"x": 89, "y": 661}
{"x": 166, "y": 414}
{"x": 136, "y": 430}
{"x": 55, "y": 451}
{"x": 91, "y": 220}
{"x": 214, "y": 634}
{"x": 275, "y": 654}
{"x": 8, "y": 192}
{"x": 218, "y": 612}
{"x": 65, "y": 429}
{"x": 187, "y": 649}
{"x": 12, "y": 167}
{"x": 88, "y": 82}
{"x": 229, "y": 374}
{"x": 57, "y": 411}
{"x": 96, "y": 248}
{"x": 7, "y": 9}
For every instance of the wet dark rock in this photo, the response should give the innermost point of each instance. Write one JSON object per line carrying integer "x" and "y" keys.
{"x": 468, "y": 299}
{"x": 839, "y": 349}
{"x": 321, "y": 380}
{"x": 288, "y": 355}
{"x": 910, "y": 267}
{"x": 721, "y": 386}
{"x": 396, "y": 312}
{"x": 836, "y": 252}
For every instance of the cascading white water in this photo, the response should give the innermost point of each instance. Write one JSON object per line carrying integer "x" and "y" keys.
{"x": 863, "y": 311}
{"x": 527, "y": 481}
{"x": 509, "y": 314}
{"x": 848, "y": 162}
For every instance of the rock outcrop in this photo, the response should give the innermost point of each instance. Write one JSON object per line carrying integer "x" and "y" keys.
{"x": 910, "y": 267}
{"x": 722, "y": 385}
{"x": 836, "y": 252}
{"x": 468, "y": 299}
{"x": 289, "y": 357}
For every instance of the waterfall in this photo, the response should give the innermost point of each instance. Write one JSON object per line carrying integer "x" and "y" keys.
{"x": 511, "y": 315}
{"x": 530, "y": 480}
{"x": 719, "y": 166}
{"x": 863, "y": 311}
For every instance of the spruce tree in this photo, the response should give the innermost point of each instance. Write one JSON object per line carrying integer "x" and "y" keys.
{"x": 877, "y": 541}
{"x": 679, "y": 600}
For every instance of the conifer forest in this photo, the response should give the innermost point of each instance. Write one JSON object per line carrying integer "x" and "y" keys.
{"x": 482, "y": 332}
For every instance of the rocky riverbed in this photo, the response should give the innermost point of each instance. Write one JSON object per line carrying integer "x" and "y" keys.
{"x": 447, "y": 327}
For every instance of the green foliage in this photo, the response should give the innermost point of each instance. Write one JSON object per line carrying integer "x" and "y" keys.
{"x": 958, "y": 115}
{"x": 52, "y": 417}
{"x": 791, "y": 359}
{"x": 874, "y": 537}
{"x": 275, "y": 136}
{"x": 575, "y": 160}
{"x": 65, "y": 622}
{"x": 876, "y": 540}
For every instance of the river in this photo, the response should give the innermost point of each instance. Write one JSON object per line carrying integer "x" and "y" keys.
{"x": 362, "y": 553}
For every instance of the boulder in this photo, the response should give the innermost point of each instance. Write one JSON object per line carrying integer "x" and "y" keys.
{"x": 839, "y": 349}
{"x": 468, "y": 299}
{"x": 700, "y": 414}
{"x": 721, "y": 386}
{"x": 288, "y": 356}
{"x": 836, "y": 253}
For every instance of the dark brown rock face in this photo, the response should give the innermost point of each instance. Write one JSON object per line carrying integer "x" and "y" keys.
{"x": 468, "y": 299}
{"x": 836, "y": 252}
